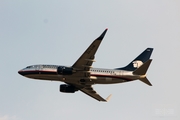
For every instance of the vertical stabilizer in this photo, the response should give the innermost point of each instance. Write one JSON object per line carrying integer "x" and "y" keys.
{"x": 138, "y": 61}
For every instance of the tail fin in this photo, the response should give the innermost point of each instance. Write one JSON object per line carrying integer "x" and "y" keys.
{"x": 142, "y": 71}
{"x": 138, "y": 61}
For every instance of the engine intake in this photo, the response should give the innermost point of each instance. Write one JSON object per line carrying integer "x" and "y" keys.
{"x": 67, "y": 88}
{"x": 62, "y": 70}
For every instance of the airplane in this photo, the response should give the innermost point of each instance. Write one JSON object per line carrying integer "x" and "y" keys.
{"x": 82, "y": 76}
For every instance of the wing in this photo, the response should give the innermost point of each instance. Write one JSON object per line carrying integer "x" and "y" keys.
{"x": 89, "y": 91}
{"x": 87, "y": 58}
{"x": 83, "y": 65}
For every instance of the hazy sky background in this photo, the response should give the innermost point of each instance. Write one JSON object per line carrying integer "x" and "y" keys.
{"x": 57, "y": 32}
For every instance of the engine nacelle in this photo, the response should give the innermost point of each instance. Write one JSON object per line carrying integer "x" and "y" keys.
{"x": 67, "y": 88}
{"x": 62, "y": 70}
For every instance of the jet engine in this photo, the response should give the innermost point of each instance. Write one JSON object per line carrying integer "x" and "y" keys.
{"x": 67, "y": 88}
{"x": 62, "y": 70}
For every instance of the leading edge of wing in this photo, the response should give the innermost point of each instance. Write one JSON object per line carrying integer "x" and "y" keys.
{"x": 92, "y": 93}
{"x": 87, "y": 58}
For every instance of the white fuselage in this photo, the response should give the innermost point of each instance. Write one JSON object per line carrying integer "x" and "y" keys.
{"x": 97, "y": 75}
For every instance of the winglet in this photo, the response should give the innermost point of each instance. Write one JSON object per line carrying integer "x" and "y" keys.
{"x": 108, "y": 98}
{"x": 102, "y": 35}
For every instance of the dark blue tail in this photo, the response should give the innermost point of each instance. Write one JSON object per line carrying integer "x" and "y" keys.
{"x": 137, "y": 62}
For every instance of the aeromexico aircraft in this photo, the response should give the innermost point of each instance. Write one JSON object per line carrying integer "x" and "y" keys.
{"x": 81, "y": 75}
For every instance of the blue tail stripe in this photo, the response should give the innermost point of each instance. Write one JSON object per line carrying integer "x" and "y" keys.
{"x": 143, "y": 57}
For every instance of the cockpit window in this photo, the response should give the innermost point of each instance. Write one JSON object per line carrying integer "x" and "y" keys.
{"x": 29, "y": 67}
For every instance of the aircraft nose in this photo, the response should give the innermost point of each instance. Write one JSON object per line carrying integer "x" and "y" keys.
{"x": 20, "y": 72}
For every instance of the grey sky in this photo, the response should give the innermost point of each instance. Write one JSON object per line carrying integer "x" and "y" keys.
{"x": 58, "y": 32}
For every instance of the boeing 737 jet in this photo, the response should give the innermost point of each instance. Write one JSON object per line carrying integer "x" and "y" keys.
{"x": 81, "y": 75}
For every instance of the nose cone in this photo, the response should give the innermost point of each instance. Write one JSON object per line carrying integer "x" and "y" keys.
{"x": 20, "y": 72}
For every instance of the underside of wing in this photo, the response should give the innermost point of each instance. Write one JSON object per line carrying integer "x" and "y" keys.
{"x": 87, "y": 58}
{"x": 91, "y": 92}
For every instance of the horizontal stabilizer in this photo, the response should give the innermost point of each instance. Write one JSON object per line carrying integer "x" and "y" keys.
{"x": 146, "y": 81}
{"x": 143, "y": 68}
{"x": 142, "y": 71}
